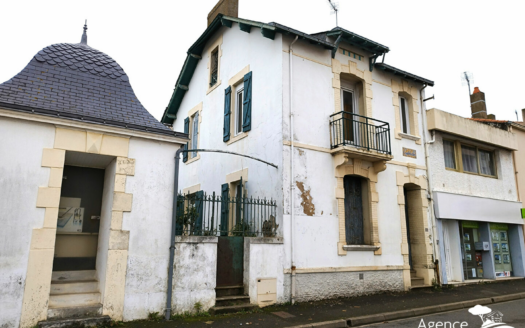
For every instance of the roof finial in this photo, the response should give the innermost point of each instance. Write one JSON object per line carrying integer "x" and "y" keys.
{"x": 84, "y": 36}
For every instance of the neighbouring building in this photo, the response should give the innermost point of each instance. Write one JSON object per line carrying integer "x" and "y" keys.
{"x": 86, "y": 176}
{"x": 345, "y": 211}
{"x": 476, "y": 200}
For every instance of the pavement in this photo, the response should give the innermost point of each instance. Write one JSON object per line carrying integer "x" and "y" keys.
{"x": 360, "y": 310}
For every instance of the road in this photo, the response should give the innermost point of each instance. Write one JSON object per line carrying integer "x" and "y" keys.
{"x": 513, "y": 316}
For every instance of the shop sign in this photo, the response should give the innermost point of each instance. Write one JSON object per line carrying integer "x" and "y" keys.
{"x": 470, "y": 224}
{"x": 499, "y": 226}
{"x": 523, "y": 213}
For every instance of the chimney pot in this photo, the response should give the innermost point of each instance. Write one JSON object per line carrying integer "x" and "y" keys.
{"x": 225, "y": 7}
{"x": 477, "y": 104}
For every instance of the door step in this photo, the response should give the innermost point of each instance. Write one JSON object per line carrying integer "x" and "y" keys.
{"x": 232, "y": 300}
{"x": 416, "y": 281}
{"x": 237, "y": 290}
{"x": 76, "y": 322}
{"x": 74, "y": 286}
{"x": 74, "y": 300}
{"x": 74, "y": 312}
{"x": 81, "y": 275}
{"x": 232, "y": 309}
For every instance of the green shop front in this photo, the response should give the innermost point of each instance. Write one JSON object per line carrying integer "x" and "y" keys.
{"x": 479, "y": 238}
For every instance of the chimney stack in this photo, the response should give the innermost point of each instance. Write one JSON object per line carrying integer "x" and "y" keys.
{"x": 477, "y": 104}
{"x": 522, "y": 115}
{"x": 225, "y": 7}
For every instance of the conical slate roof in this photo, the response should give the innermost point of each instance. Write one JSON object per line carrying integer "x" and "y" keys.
{"x": 78, "y": 82}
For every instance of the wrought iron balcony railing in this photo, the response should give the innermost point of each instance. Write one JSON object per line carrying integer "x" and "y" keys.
{"x": 199, "y": 214}
{"x": 348, "y": 129}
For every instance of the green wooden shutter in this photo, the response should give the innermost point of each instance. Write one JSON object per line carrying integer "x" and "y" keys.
{"x": 247, "y": 103}
{"x": 225, "y": 208}
{"x": 199, "y": 206}
{"x": 186, "y": 130}
{"x": 227, "y": 113}
{"x": 179, "y": 221}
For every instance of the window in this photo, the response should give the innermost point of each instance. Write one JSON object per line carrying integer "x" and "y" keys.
{"x": 195, "y": 133}
{"x": 192, "y": 129}
{"x": 405, "y": 119}
{"x": 239, "y": 98}
{"x": 214, "y": 67}
{"x": 450, "y": 156}
{"x": 469, "y": 159}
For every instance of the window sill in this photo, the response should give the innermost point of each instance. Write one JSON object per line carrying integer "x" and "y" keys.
{"x": 409, "y": 136}
{"x": 191, "y": 160}
{"x": 237, "y": 138}
{"x": 210, "y": 89}
{"x": 360, "y": 248}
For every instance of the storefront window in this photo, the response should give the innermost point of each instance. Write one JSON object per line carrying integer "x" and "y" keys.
{"x": 471, "y": 247}
{"x": 500, "y": 247}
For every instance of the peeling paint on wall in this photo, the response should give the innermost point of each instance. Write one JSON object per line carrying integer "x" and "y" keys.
{"x": 307, "y": 204}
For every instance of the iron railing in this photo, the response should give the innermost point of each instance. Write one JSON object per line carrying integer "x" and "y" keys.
{"x": 349, "y": 129}
{"x": 201, "y": 214}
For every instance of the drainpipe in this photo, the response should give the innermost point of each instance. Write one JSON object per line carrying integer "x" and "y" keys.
{"x": 173, "y": 227}
{"x": 429, "y": 182}
{"x": 292, "y": 187}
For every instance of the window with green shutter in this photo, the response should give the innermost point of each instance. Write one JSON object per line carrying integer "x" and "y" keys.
{"x": 247, "y": 103}
{"x": 227, "y": 113}
{"x": 186, "y": 130}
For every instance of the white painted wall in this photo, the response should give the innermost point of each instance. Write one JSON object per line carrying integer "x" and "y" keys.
{"x": 504, "y": 187}
{"x": 149, "y": 224}
{"x": 105, "y": 224}
{"x": 20, "y": 176}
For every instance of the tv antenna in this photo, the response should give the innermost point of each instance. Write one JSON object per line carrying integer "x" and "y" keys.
{"x": 466, "y": 79}
{"x": 334, "y": 6}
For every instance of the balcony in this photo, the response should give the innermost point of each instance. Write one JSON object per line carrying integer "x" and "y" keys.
{"x": 360, "y": 137}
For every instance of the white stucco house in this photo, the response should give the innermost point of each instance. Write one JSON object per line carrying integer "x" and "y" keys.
{"x": 476, "y": 200}
{"x": 349, "y": 190}
{"x": 86, "y": 176}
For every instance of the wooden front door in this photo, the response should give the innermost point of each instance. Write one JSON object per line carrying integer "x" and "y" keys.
{"x": 353, "y": 210}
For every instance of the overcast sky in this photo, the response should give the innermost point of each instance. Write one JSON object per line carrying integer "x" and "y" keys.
{"x": 437, "y": 40}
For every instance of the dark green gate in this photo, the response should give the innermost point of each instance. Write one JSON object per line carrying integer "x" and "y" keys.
{"x": 230, "y": 261}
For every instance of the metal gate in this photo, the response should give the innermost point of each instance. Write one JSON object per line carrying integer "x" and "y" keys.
{"x": 230, "y": 261}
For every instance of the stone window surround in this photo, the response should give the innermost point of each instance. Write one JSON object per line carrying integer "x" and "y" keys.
{"x": 343, "y": 167}
{"x": 427, "y": 273}
{"x": 40, "y": 260}
{"x": 191, "y": 114}
{"x": 232, "y": 180}
{"x": 215, "y": 45}
{"x": 233, "y": 82}
{"x": 411, "y": 95}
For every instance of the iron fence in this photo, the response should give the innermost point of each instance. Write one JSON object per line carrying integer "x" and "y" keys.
{"x": 201, "y": 214}
{"x": 349, "y": 129}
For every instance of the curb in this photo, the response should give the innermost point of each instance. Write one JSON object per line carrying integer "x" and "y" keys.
{"x": 403, "y": 314}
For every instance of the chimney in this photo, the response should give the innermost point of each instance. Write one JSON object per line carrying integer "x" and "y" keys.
{"x": 491, "y": 116}
{"x": 225, "y": 7}
{"x": 523, "y": 113}
{"x": 477, "y": 104}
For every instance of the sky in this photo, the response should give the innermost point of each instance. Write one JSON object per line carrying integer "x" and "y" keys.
{"x": 437, "y": 40}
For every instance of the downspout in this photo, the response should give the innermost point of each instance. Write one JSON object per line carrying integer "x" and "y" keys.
{"x": 173, "y": 228}
{"x": 292, "y": 187}
{"x": 429, "y": 182}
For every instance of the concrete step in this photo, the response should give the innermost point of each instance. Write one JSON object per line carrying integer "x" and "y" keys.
{"x": 73, "y": 300}
{"x": 72, "y": 287}
{"x": 232, "y": 309}
{"x": 237, "y": 290}
{"x": 74, "y": 312}
{"x": 416, "y": 281}
{"x": 232, "y": 300}
{"x": 73, "y": 275}
{"x": 76, "y": 322}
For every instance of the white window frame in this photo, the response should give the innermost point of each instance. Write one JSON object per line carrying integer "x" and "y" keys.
{"x": 194, "y": 121}
{"x": 238, "y": 109}
{"x": 406, "y": 115}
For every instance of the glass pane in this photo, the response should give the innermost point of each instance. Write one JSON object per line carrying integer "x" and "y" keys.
{"x": 404, "y": 115}
{"x": 239, "y": 111}
{"x": 468, "y": 156}
{"x": 450, "y": 156}
{"x": 348, "y": 101}
{"x": 486, "y": 162}
{"x": 214, "y": 67}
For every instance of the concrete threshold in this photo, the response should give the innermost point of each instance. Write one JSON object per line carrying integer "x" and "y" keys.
{"x": 480, "y": 281}
{"x": 404, "y": 314}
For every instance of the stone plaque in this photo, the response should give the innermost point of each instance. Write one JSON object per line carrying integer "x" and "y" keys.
{"x": 407, "y": 152}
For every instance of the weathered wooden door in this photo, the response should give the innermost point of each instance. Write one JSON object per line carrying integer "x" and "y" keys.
{"x": 230, "y": 261}
{"x": 353, "y": 210}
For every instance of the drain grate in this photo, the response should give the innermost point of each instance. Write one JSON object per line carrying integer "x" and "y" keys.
{"x": 284, "y": 315}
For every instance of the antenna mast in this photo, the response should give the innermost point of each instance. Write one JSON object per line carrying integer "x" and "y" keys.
{"x": 335, "y": 7}
{"x": 466, "y": 78}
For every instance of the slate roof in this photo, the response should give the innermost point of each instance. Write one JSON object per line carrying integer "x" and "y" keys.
{"x": 75, "y": 81}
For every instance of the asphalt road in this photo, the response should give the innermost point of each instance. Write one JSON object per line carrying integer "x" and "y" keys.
{"x": 513, "y": 316}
